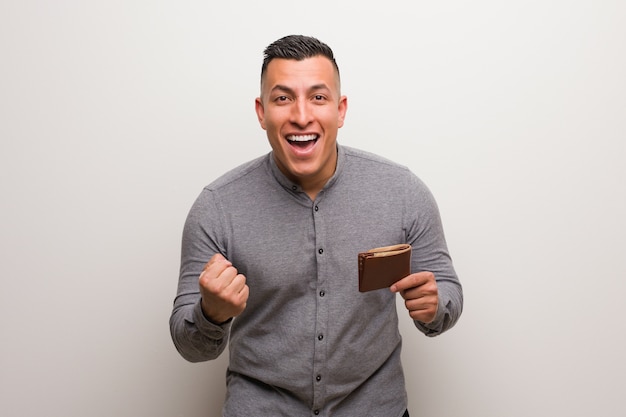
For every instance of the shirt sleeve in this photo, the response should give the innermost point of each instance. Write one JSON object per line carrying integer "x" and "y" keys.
{"x": 196, "y": 338}
{"x": 430, "y": 253}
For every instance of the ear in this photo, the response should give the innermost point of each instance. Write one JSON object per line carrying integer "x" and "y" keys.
{"x": 343, "y": 108}
{"x": 260, "y": 112}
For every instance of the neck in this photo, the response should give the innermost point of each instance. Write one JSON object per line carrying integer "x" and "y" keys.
{"x": 313, "y": 185}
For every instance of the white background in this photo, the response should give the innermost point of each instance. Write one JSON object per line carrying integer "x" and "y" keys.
{"x": 114, "y": 114}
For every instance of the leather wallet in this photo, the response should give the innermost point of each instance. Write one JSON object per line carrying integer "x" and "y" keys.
{"x": 381, "y": 267}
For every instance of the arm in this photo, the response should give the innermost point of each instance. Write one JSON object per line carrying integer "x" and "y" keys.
{"x": 208, "y": 294}
{"x": 433, "y": 293}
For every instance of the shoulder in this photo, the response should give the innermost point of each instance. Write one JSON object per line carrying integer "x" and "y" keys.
{"x": 359, "y": 156}
{"x": 375, "y": 168}
{"x": 241, "y": 176}
{"x": 235, "y": 186}
{"x": 383, "y": 174}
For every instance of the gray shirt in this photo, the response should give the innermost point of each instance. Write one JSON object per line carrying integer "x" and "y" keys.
{"x": 308, "y": 342}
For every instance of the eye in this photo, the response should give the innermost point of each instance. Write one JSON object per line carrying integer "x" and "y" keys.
{"x": 319, "y": 97}
{"x": 281, "y": 100}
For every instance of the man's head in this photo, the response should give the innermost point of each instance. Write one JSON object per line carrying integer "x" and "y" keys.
{"x": 297, "y": 47}
{"x": 301, "y": 109}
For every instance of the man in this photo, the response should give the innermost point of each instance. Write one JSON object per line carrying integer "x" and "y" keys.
{"x": 281, "y": 236}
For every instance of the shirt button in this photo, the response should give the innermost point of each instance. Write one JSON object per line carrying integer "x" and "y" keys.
{"x": 294, "y": 187}
{"x": 318, "y": 378}
{"x": 322, "y": 293}
{"x": 320, "y": 251}
{"x": 316, "y": 208}
{"x": 316, "y": 412}
{"x": 320, "y": 336}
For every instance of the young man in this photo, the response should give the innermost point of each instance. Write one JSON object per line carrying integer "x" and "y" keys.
{"x": 281, "y": 236}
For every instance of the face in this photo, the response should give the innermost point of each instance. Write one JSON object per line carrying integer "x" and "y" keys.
{"x": 301, "y": 110}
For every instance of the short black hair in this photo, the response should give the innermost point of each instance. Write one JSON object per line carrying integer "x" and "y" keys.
{"x": 297, "y": 47}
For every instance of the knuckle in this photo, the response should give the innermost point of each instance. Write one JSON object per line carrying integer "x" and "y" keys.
{"x": 212, "y": 287}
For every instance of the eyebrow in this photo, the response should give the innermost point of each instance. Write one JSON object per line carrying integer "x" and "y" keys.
{"x": 280, "y": 87}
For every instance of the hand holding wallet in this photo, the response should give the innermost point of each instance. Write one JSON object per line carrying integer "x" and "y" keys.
{"x": 381, "y": 267}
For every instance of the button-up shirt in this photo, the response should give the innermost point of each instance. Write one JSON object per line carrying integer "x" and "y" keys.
{"x": 308, "y": 342}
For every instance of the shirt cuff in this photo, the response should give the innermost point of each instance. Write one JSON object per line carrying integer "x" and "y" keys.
{"x": 206, "y": 326}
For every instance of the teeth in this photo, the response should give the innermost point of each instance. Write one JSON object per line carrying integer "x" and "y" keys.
{"x": 301, "y": 138}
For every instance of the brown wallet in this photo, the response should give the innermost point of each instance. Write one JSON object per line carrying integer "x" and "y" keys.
{"x": 381, "y": 267}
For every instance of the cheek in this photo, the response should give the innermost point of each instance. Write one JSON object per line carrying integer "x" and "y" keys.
{"x": 273, "y": 121}
{"x": 330, "y": 116}
{"x": 332, "y": 122}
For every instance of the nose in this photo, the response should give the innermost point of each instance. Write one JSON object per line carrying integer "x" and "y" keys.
{"x": 301, "y": 114}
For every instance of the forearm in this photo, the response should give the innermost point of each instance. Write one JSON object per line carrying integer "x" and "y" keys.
{"x": 196, "y": 338}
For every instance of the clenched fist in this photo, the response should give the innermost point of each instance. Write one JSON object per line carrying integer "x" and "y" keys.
{"x": 224, "y": 291}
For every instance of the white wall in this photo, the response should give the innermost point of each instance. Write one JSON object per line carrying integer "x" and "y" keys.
{"x": 114, "y": 114}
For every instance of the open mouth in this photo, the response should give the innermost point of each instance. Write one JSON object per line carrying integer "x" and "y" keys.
{"x": 302, "y": 141}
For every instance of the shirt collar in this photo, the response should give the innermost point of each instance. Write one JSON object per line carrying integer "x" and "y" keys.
{"x": 295, "y": 188}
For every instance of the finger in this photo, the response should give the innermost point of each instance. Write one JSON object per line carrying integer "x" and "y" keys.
{"x": 424, "y": 316}
{"x": 423, "y": 310}
{"x": 216, "y": 266}
{"x": 218, "y": 276}
{"x": 218, "y": 258}
{"x": 236, "y": 294}
{"x": 426, "y": 302}
{"x": 412, "y": 281}
{"x": 242, "y": 290}
{"x": 236, "y": 285}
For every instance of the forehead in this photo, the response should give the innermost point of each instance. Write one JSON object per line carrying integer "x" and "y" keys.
{"x": 314, "y": 70}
